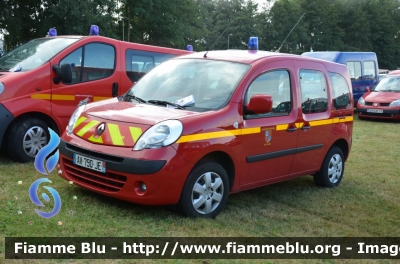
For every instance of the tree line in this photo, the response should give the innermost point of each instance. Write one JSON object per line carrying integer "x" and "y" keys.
{"x": 334, "y": 25}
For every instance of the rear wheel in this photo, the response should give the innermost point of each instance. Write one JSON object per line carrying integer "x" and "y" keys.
{"x": 25, "y": 138}
{"x": 331, "y": 172}
{"x": 205, "y": 192}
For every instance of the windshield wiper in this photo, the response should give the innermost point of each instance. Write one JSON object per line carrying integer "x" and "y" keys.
{"x": 140, "y": 100}
{"x": 3, "y": 69}
{"x": 160, "y": 102}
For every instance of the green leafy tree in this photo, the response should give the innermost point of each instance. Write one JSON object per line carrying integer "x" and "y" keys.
{"x": 74, "y": 17}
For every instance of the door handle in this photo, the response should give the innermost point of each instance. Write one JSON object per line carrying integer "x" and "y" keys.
{"x": 305, "y": 127}
{"x": 291, "y": 129}
{"x": 114, "y": 90}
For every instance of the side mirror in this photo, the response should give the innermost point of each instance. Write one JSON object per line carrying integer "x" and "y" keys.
{"x": 260, "y": 104}
{"x": 63, "y": 73}
{"x": 367, "y": 90}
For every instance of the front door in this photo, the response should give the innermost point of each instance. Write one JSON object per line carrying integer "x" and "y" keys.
{"x": 269, "y": 153}
{"x": 94, "y": 75}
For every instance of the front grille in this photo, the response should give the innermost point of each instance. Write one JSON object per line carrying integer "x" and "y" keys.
{"x": 94, "y": 154}
{"x": 377, "y": 114}
{"x": 106, "y": 181}
{"x": 380, "y": 104}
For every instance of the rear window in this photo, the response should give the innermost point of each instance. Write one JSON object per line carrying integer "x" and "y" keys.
{"x": 138, "y": 63}
{"x": 354, "y": 70}
{"x": 341, "y": 92}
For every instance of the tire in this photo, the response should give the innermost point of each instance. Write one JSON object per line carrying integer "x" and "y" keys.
{"x": 25, "y": 138}
{"x": 331, "y": 173}
{"x": 205, "y": 191}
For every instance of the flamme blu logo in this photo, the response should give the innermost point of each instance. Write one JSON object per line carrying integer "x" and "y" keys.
{"x": 50, "y": 163}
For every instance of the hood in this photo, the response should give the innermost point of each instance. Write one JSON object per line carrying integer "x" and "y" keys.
{"x": 382, "y": 97}
{"x": 128, "y": 112}
{"x": 121, "y": 123}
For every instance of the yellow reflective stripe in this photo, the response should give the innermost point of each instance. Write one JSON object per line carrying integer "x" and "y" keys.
{"x": 299, "y": 125}
{"x": 135, "y": 132}
{"x": 115, "y": 134}
{"x": 63, "y": 97}
{"x": 321, "y": 122}
{"x": 41, "y": 96}
{"x": 79, "y": 121}
{"x": 99, "y": 98}
{"x": 342, "y": 119}
{"x": 87, "y": 127}
{"x": 219, "y": 134}
{"x": 96, "y": 140}
{"x": 281, "y": 127}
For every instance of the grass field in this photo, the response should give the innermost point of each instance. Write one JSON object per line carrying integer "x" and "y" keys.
{"x": 365, "y": 204}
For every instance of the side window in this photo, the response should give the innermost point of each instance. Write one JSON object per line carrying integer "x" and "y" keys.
{"x": 138, "y": 63}
{"x": 91, "y": 62}
{"x": 341, "y": 92}
{"x": 354, "y": 70}
{"x": 75, "y": 59}
{"x": 314, "y": 94}
{"x": 275, "y": 83}
{"x": 369, "y": 70}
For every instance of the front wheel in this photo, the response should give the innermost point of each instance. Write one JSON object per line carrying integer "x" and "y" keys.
{"x": 331, "y": 172}
{"x": 205, "y": 192}
{"x": 25, "y": 138}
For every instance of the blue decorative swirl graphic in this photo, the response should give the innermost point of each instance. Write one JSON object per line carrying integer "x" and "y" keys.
{"x": 35, "y": 199}
{"x": 45, "y": 151}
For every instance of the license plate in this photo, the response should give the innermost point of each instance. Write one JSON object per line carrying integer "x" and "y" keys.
{"x": 89, "y": 163}
{"x": 375, "y": 111}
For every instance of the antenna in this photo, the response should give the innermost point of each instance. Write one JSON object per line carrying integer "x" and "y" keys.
{"x": 290, "y": 32}
{"x": 205, "y": 55}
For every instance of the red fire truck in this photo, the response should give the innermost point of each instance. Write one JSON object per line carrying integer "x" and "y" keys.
{"x": 43, "y": 81}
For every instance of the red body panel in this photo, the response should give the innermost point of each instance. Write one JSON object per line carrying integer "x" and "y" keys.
{"x": 225, "y": 132}
{"x": 34, "y": 91}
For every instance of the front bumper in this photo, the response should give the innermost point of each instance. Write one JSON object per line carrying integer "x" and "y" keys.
{"x": 5, "y": 119}
{"x": 387, "y": 113}
{"x": 164, "y": 175}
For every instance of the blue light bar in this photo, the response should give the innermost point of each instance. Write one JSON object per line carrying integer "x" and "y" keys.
{"x": 189, "y": 47}
{"x": 52, "y": 32}
{"x": 94, "y": 30}
{"x": 253, "y": 43}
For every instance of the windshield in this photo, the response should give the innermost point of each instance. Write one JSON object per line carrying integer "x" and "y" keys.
{"x": 389, "y": 84}
{"x": 196, "y": 84}
{"x": 33, "y": 53}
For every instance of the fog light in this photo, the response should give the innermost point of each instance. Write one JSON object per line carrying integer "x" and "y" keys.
{"x": 143, "y": 187}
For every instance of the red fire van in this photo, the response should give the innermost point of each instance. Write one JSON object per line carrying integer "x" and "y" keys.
{"x": 43, "y": 81}
{"x": 201, "y": 126}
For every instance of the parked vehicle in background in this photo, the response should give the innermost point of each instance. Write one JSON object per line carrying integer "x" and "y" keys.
{"x": 363, "y": 68}
{"x": 43, "y": 81}
{"x": 383, "y": 102}
{"x": 207, "y": 124}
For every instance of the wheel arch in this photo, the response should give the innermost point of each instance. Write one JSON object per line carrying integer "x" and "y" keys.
{"x": 343, "y": 145}
{"x": 224, "y": 160}
{"x": 45, "y": 118}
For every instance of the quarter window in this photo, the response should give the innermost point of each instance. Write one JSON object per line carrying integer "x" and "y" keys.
{"x": 369, "y": 70}
{"x": 277, "y": 84}
{"x": 341, "y": 93}
{"x": 354, "y": 70}
{"x": 138, "y": 63}
{"x": 91, "y": 62}
{"x": 314, "y": 92}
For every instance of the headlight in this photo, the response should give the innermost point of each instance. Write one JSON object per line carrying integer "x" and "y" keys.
{"x": 73, "y": 119}
{"x": 395, "y": 103}
{"x": 160, "y": 135}
{"x": 2, "y": 87}
{"x": 361, "y": 101}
